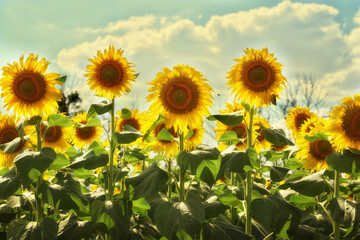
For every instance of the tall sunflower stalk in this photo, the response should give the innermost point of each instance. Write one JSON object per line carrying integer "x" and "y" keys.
{"x": 110, "y": 189}
{"x": 39, "y": 202}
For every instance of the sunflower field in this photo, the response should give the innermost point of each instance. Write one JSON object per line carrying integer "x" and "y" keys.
{"x": 125, "y": 174}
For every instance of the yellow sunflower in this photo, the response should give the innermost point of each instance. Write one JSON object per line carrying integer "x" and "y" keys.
{"x": 345, "y": 123}
{"x": 165, "y": 147}
{"x": 8, "y": 133}
{"x": 27, "y": 89}
{"x": 182, "y": 95}
{"x": 83, "y": 137}
{"x": 256, "y": 78}
{"x": 137, "y": 121}
{"x": 261, "y": 143}
{"x": 56, "y": 137}
{"x": 195, "y": 139}
{"x": 297, "y": 118}
{"x": 314, "y": 153}
{"x": 110, "y": 74}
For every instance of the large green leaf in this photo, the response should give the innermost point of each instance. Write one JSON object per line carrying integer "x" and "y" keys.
{"x": 140, "y": 206}
{"x": 60, "y": 162}
{"x": 165, "y": 135}
{"x": 74, "y": 229}
{"x": 344, "y": 162}
{"x": 108, "y": 217}
{"x": 128, "y": 135}
{"x": 9, "y": 183}
{"x": 31, "y": 165}
{"x": 7, "y": 214}
{"x": 276, "y": 137}
{"x": 233, "y": 161}
{"x": 149, "y": 182}
{"x": 158, "y": 121}
{"x": 59, "y": 120}
{"x": 278, "y": 174}
{"x": 99, "y": 109}
{"x": 11, "y": 146}
{"x": 45, "y": 228}
{"x": 221, "y": 228}
{"x": 66, "y": 190}
{"x": 213, "y": 207}
{"x": 345, "y": 211}
{"x": 188, "y": 216}
{"x": 229, "y": 119}
{"x": 90, "y": 161}
{"x": 303, "y": 201}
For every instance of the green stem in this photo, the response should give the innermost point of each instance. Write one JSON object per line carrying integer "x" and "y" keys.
{"x": 232, "y": 208}
{"x": 112, "y": 150}
{"x": 336, "y": 194}
{"x": 248, "y": 190}
{"x": 170, "y": 185}
{"x": 182, "y": 171}
{"x": 39, "y": 202}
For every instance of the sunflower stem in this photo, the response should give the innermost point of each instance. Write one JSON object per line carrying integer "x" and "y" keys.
{"x": 112, "y": 150}
{"x": 248, "y": 189}
{"x": 170, "y": 184}
{"x": 232, "y": 208}
{"x": 39, "y": 202}
{"x": 336, "y": 194}
{"x": 182, "y": 171}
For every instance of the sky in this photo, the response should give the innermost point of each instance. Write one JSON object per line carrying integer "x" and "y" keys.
{"x": 321, "y": 38}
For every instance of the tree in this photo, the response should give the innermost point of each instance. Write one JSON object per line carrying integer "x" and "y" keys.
{"x": 69, "y": 103}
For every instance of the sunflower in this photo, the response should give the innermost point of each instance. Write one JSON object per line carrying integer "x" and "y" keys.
{"x": 195, "y": 139}
{"x": 314, "y": 153}
{"x": 240, "y": 129}
{"x": 83, "y": 137}
{"x": 8, "y": 133}
{"x": 345, "y": 123}
{"x": 136, "y": 120}
{"x": 110, "y": 74}
{"x": 164, "y": 146}
{"x": 296, "y": 118}
{"x": 182, "y": 95}
{"x": 261, "y": 143}
{"x": 27, "y": 89}
{"x": 56, "y": 137}
{"x": 256, "y": 78}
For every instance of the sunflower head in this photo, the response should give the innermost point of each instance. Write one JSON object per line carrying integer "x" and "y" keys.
{"x": 256, "y": 78}
{"x": 110, "y": 74}
{"x": 261, "y": 143}
{"x": 195, "y": 139}
{"x": 136, "y": 120}
{"x": 84, "y": 136}
{"x": 345, "y": 123}
{"x": 182, "y": 95}
{"x": 8, "y": 133}
{"x": 297, "y": 117}
{"x": 165, "y": 147}
{"x": 28, "y": 89}
{"x": 314, "y": 153}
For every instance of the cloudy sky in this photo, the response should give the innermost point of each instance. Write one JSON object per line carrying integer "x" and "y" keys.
{"x": 321, "y": 38}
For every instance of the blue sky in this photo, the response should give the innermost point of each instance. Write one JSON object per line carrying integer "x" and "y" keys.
{"x": 321, "y": 38}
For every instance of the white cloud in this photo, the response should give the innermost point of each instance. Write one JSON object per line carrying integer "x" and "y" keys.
{"x": 304, "y": 37}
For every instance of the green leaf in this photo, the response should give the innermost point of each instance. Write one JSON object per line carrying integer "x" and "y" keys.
{"x": 213, "y": 207}
{"x": 136, "y": 75}
{"x": 89, "y": 160}
{"x": 28, "y": 160}
{"x": 170, "y": 218}
{"x": 34, "y": 120}
{"x": 221, "y": 228}
{"x": 229, "y": 119}
{"x": 59, "y": 120}
{"x": 343, "y": 162}
{"x": 74, "y": 229}
{"x": 71, "y": 152}
{"x": 278, "y": 174}
{"x": 273, "y": 156}
{"x": 99, "y": 109}
{"x": 140, "y": 206}
{"x": 21, "y": 124}
{"x": 128, "y": 135}
{"x": 97, "y": 147}
{"x": 293, "y": 164}
{"x": 7, "y": 214}
{"x": 9, "y": 183}
{"x": 229, "y": 136}
{"x": 62, "y": 192}
{"x": 165, "y": 135}
{"x": 148, "y": 182}
{"x": 157, "y": 122}
{"x": 12, "y": 146}
{"x": 125, "y": 113}
{"x": 345, "y": 211}
{"x": 311, "y": 185}
{"x": 253, "y": 157}
{"x": 317, "y": 136}
{"x": 302, "y": 201}
{"x": 108, "y": 217}
{"x": 230, "y": 199}
{"x": 233, "y": 161}
{"x": 62, "y": 79}
{"x": 60, "y": 162}
{"x": 276, "y": 137}
{"x": 189, "y": 134}
{"x": 93, "y": 122}
{"x": 45, "y": 228}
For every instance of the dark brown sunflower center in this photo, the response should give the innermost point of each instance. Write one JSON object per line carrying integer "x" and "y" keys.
{"x": 258, "y": 76}
{"x": 110, "y": 74}
{"x": 9, "y": 134}
{"x": 29, "y": 87}
{"x": 300, "y": 120}
{"x": 86, "y": 132}
{"x": 320, "y": 149}
{"x": 240, "y": 130}
{"x": 131, "y": 122}
{"x": 351, "y": 123}
{"x": 171, "y": 131}
{"x": 180, "y": 95}
{"x": 53, "y": 134}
